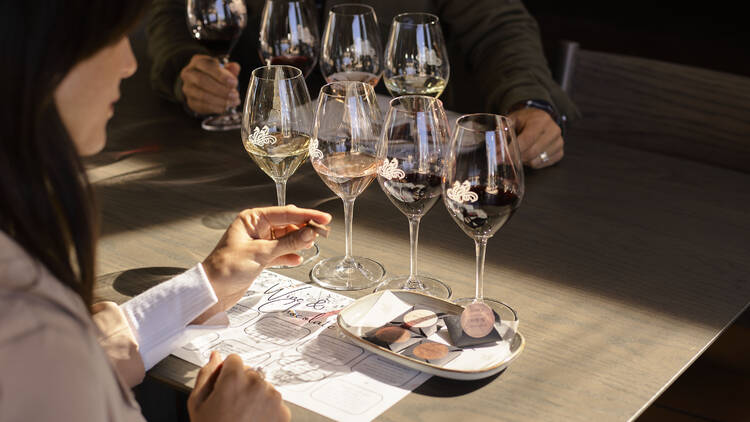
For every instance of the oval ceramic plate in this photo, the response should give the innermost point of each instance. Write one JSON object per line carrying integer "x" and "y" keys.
{"x": 363, "y": 305}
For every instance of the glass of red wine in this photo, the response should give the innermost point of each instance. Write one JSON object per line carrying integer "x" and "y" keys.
{"x": 482, "y": 187}
{"x": 415, "y": 137}
{"x": 351, "y": 46}
{"x": 289, "y": 34}
{"x": 344, "y": 152}
{"x": 217, "y": 25}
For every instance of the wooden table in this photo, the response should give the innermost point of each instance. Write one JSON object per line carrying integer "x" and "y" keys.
{"x": 624, "y": 265}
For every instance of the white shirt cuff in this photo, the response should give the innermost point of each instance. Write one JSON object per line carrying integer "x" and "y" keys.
{"x": 159, "y": 316}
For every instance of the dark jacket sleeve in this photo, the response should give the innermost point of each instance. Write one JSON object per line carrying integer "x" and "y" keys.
{"x": 501, "y": 47}
{"x": 170, "y": 47}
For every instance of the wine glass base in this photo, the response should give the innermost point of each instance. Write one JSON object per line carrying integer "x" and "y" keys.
{"x": 222, "y": 122}
{"x": 306, "y": 254}
{"x": 506, "y": 313}
{"x": 429, "y": 286}
{"x": 336, "y": 274}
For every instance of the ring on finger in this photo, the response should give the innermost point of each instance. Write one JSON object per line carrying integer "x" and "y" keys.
{"x": 544, "y": 157}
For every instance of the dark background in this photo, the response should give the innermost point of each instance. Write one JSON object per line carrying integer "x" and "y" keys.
{"x": 713, "y": 35}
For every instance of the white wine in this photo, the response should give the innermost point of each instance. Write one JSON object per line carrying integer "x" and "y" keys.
{"x": 347, "y": 174}
{"x": 354, "y": 76}
{"x": 414, "y": 84}
{"x": 280, "y": 159}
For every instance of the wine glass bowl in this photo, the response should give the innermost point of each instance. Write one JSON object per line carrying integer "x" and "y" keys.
{"x": 276, "y": 126}
{"x": 483, "y": 184}
{"x": 217, "y": 25}
{"x": 415, "y": 141}
{"x": 351, "y": 49}
{"x": 416, "y": 58}
{"x": 343, "y": 151}
{"x": 289, "y": 34}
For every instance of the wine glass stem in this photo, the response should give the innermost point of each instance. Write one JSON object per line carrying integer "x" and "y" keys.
{"x": 412, "y": 282}
{"x": 223, "y": 60}
{"x": 281, "y": 192}
{"x": 481, "y": 248}
{"x": 348, "y": 214}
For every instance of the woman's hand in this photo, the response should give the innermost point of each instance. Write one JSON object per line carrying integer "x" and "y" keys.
{"x": 229, "y": 391}
{"x": 257, "y": 238}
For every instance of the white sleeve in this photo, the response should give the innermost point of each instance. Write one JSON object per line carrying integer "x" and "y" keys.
{"x": 160, "y": 315}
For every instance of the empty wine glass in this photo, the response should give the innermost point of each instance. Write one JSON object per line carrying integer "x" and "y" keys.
{"x": 416, "y": 59}
{"x": 415, "y": 137}
{"x": 276, "y": 127}
{"x": 344, "y": 150}
{"x": 482, "y": 187}
{"x": 217, "y": 25}
{"x": 289, "y": 34}
{"x": 351, "y": 46}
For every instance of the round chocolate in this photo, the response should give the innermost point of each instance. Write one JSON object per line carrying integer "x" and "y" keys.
{"x": 420, "y": 318}
{"x": 390, "y": 335}
{"x": 477, "y": 320}
{"x": 430, "y": 351}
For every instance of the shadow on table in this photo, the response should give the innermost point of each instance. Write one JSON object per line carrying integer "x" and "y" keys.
{"x": 122, "y": 285}
{"x": 445, "y": 387}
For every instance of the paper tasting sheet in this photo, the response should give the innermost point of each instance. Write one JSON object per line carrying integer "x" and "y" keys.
{"x": 288, "y": 329}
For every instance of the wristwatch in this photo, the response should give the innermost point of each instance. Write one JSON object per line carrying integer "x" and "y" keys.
{"x": 545, "y": 106}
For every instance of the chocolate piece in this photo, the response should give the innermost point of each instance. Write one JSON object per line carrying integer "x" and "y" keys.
{"x": 421, "y": 321}
{"x": 459, "y": 338}
{"x": 477, "y": 320}
{"x": 392, "y": 337}
{"x": 319, "y": 228}
{"x": 432, "y": 352}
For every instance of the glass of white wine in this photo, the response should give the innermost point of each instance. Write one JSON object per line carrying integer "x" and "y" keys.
{"x": 343, "y": 150}
{"x": 276, "y": 127}
{"x": 351, "y": 49}
{"x": 416, "y": 58}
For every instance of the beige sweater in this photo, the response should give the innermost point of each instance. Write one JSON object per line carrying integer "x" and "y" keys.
{"x": 54, "y": 363}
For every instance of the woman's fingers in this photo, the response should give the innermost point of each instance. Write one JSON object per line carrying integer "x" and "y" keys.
{"x": 204, "y": 382}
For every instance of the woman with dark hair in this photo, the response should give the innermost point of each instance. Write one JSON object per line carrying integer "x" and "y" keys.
{"x": 60, "y": 357}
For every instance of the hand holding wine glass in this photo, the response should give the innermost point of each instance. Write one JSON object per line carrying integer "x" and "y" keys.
{"x": 217, "y": 25}
{"x": 415, "y": 136}
{"x": 289, "y": 34}
{"x": 351, "y": 46}
{"x": 416, "y": 58}
{"x": 276, "y": 126}
{"x": 343, "y": 151}
{"x": 483, "y": 185}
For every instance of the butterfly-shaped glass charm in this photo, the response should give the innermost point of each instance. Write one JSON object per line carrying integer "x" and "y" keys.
{"x": 460, "y": 192}
{"x": 390, "y": 170}
{"x": 260, "y": 137}
{"x": 313, "y": 150}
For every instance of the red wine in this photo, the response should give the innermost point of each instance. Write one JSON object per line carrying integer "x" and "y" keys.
{"x": 483, "y": 217}
{"x": 303, "y": 63}
{"x": 218, "y": 41}
{"x": 414, "y": 194}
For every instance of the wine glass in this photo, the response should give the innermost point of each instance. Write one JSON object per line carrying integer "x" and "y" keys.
{"x": 351, "y": 47}
{"x": 416, "y": 59}
{"x": 482, "y": 187}
{"x": 289, "y": 34}
{"x": 343, "y": 151}
{"x": 416, "y": 136}
{"x": 217, "y": 25}
{"x": 276, "y": 127}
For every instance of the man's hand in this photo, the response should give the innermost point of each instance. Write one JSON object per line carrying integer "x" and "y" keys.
{"x": 228, "y": 392}
{"x": 208, "y": 87}
{"x": 539, "y": 137}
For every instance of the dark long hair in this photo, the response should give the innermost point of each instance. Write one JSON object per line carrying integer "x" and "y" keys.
{"x": 46, "y": 202}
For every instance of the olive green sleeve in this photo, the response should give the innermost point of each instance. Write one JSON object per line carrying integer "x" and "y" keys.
{"x": 170, "y": 47}
{"x": 501, "y": 44}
